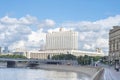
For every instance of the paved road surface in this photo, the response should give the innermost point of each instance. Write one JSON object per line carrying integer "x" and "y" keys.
{"x": 110, "y": 73}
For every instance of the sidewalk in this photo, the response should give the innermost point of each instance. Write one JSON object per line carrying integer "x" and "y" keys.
{"x": 110, "y": 73}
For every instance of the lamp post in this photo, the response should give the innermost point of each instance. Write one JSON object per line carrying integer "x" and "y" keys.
{"x": 92, "y": 61}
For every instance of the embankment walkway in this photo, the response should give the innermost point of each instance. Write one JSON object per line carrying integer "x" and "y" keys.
{"x": 95, "y": 73}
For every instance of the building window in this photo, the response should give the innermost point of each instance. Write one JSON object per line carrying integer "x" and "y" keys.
{"x": 117, "y": 45}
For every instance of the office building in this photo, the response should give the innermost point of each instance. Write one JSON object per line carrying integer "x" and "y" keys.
{"x": 114, "y": 43}
{"x": 50, "y": 53}
{"x": 62, "y": 40}
{"x": 5, "y": 50}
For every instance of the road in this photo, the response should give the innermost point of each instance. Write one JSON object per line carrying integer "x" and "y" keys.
{"x": 110, "y": 73}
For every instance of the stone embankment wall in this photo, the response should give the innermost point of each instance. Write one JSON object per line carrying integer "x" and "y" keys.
{"x": 21, "y": 65}
{"x": 98, "y": 75}
{"x": 3, "y": 64}
{"x": 95, "y": 73}
{"x": 17, "y": 65}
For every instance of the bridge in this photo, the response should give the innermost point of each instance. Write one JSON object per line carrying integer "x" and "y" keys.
{"x": 19, "y": 59}
{"x": 33, "y": 62}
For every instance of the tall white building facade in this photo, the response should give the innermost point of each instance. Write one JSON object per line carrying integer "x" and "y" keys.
{"x": 62, "y": 40}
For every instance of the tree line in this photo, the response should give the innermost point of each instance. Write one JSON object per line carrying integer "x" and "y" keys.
{"x": 12, "y": 56}
{"x": 83, "y": 60}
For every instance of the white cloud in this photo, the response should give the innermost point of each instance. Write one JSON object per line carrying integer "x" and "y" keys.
{"x": 94, "y": 34}
{"x": 7, "y": 20}
{"x": 12, "y": 31}
{"x": 46, "y": 23}
{"x": 86, "y": 46}
{"x": 49, "y": 22}
{"x": 29, "y": 20}
{"x": 110, "y": 21}
{"x": 36, "y": 36}
{"x": 81, "y": 37}
{"x": 36, "y": 39}
{"x": 18, "y": 32}
{"x": 17, "y": 44}
{"x": 102, "y": 42}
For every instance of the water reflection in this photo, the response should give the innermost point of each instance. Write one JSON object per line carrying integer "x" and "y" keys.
{"x": 37, "y": 74}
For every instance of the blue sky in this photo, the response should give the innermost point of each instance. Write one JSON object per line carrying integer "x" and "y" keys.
{"x": 61, "y": 10}
{"x": 24, "y": 23}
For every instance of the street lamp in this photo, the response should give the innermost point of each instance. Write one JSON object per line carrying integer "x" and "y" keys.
{"x": 92, "y": 61}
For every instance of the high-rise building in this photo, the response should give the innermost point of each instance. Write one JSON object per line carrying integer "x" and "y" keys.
{"x": 62, "y": 40}
{"x": 5, "y": 49}
{"x": 114, "y": 43}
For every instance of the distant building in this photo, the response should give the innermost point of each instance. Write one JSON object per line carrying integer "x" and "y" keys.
{"x": 5, "y": 50}
{"x": 50, "y": 53}
{"x": 114, "y": 43}
{"x": 20, "y": 51}
{"x": 62, "y": 40}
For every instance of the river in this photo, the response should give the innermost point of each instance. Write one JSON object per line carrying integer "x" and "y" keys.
{"x": 38, "y": 74}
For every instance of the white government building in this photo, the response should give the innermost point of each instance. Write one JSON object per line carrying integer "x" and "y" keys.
{"x": 62, "y": 42}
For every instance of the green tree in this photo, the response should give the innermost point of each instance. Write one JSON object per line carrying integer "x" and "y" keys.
{"x": 12, "y": 56}
{"x": 64, "y": 57}
{"x": 48, "y": 57}
{"x": 80, "y": 60}
{"x": 86, "y": 60}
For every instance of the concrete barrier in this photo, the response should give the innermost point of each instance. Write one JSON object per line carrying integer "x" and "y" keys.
{"x": 3, "y": 64}
{"x": 93, "y": 73}
{"x": 98, "y": 75}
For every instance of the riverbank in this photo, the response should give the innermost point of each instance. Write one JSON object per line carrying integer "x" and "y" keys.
{"x": 93, "y": 72}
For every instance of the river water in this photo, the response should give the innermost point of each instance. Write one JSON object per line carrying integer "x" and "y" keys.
{"x": 38, "y": 74}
